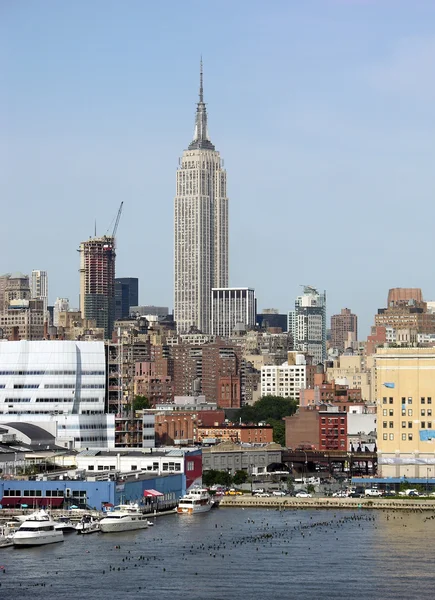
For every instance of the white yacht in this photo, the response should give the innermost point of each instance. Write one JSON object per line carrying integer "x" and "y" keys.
{"x": 124, "y": 517}
{"x": 197, "y": 500}
{"x": 39, "y": 529}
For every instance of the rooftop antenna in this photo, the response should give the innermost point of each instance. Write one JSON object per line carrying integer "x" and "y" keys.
{"x": 95, "y": 228}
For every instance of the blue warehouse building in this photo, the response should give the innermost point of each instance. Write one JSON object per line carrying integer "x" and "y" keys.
{"x": 151, "y": 492}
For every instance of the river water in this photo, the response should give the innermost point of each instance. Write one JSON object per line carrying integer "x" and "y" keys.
{"x": 236, "y": 554}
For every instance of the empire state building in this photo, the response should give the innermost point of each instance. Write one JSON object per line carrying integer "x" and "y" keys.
{"x": 200, "y": 228}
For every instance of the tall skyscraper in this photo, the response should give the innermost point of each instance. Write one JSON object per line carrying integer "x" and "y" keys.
{"x": 307, "y": 323}
{"x": 341, "y": 326}
{"x": 97, "y": 281}
{"x": 126, "y": 295}
{"x": 39, "y": 287}
{"x": 200, "y": 228}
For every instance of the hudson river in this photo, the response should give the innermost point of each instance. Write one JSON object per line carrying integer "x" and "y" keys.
{"x": 236, "y": 554}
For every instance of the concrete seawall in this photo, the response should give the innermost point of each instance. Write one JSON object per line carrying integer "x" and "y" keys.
{"x": 292, "y": 503}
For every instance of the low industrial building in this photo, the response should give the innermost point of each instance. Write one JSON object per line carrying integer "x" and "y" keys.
{"x": 254, "y": 459}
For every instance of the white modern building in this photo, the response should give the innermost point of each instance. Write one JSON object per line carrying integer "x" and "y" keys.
{"x": 307, "y": 324}
{"x": 200, "y": 228}
{"x": 285, "y": 380}
{"x": 231, "y": 307}
{"x": 39, "y": 288}
{"x": 61, "y": 382}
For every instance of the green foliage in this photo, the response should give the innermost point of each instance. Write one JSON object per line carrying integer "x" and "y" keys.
{"x": 278, "y": 431}
{"x": 268, "y": 407}
{"x": 271, "y": 409}
{"x": 141, "y": 402}
{"x": 310, "y": 488}
{"x": 240, "y": 477}
{"x": 216, "y": 477}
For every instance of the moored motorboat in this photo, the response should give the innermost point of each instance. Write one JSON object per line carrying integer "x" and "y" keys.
{"x": 197, "y": 500}
{"x": 88, "y": 524}
{"x": 7, "y": 531}
{"x": 125, "y": 517}
{"x": 65, "y": 524}
{"x": 39, "y": 529}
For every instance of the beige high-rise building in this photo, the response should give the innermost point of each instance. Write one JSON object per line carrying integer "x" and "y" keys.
{"x": 200, "y": 228}
{"x": 405, "y": 412}
{"x": 39, "y": 288}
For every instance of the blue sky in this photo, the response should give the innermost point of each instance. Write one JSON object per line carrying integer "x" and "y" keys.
{"x": 323, "y": 112}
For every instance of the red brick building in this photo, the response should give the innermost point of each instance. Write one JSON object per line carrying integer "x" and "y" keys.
{"x": 329, "y": 392}
{"x": 181, "y": 428}
{"x": 213, "y": 369}
{"x": 253, "y": 434}
{"x": 332, "y": 430}
{"x": 316, "y": 427}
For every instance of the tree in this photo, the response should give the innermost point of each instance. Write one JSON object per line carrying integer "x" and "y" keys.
{"x": 141, "y": 402}
{"x": 240, "y": 477}
{"x": 278, "y": 431}
{"x": 272, "y": 410}
{"x": 213, "y": 476}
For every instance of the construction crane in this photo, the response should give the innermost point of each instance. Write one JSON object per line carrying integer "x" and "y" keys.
{"x": 115, "y": 227}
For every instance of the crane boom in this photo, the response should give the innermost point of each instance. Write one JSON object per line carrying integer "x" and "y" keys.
{"x": 118, "y": 216}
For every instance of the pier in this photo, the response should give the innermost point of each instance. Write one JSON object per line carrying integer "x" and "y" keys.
{"x": 291, "y": 503}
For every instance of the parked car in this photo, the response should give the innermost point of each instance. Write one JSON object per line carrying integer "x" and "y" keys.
{"x": 278, "y": 493}
{"x": 262, "y": 495}
{"x": 339, "y": 494}
{"x": 258, "y": 491}
{"x": 302, "y": 494}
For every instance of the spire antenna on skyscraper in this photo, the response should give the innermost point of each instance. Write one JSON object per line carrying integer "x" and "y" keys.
{"x": 201, "y": 87}
{"x": 200, "y": 137}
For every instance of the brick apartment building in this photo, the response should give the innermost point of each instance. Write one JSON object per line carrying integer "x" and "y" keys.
{"x": 214, "y": 369}
{"x": 181, "y": 428}
{"x": 330, "y": 392}
{"x": 341, "y": 326}
{"x": 318, "y": 428}
{"x": 250, "y": 434}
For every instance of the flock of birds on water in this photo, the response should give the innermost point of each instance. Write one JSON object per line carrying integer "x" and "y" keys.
{"x": 259, "y": 531}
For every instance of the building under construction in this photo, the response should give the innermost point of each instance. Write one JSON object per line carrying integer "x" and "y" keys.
{"x": 97, "y": 281}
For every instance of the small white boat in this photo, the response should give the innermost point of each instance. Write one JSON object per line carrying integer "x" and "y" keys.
{"x": 197, "y": 500}
{"x": 125, "y": 517}
{"x": 39, "y": 529}
{"x": 7, "y": 531}
{"x": 88, "y": 524}
{"x": 65, "y": 524}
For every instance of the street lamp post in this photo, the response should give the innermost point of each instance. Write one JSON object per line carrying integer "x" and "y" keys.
{"x": 306, "y": 467}
{"x": 427, "y": 481}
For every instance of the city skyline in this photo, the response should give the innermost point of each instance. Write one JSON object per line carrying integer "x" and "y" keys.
{"x": 294, "y": 91}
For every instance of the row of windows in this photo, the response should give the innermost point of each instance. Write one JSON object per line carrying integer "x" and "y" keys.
{"x": 34, "y": 493}
{"x": 91, "y": 438}
{"x": 405, "y": 400}
{"x": 390, "y": 437}
{"x": 92, "y": 426}
{"x": 46, "y": 412}
{"x": 17, "y": 399}
{"x": 331, "y": 431}
{"x": 50, "y": 372}
{"x": 71, "y": 386}
{"x": 66, "y": 400}
{"x": 51, "y": 400}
